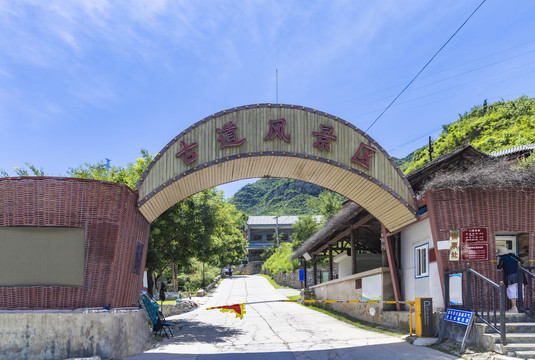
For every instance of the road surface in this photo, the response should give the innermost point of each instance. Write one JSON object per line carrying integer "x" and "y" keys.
{"x": 274, "y": 331}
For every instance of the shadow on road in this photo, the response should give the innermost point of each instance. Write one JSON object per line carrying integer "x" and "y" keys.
{"x": 189, "y": 331}
{"x": 397, "y": 351}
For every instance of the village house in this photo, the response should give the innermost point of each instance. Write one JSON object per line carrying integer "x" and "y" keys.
{"x": 470, "y": 205}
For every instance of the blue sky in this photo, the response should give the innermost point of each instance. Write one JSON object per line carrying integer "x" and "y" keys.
{"x": 82, "y": 81}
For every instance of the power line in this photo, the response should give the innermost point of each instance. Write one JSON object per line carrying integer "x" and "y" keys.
{"x": 433, "y": 82}
{"x": 416, "y": 138}
{"x": 430, "y": 132}
{"x": 425, "y": 66}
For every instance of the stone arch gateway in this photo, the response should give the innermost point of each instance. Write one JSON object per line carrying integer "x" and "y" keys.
{"x": 277, "y": 140}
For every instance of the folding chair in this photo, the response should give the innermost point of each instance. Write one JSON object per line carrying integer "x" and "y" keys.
{"x": 156, "y": 317}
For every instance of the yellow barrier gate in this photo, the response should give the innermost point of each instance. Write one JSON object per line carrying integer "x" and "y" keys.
{"x": 239, "y": 309}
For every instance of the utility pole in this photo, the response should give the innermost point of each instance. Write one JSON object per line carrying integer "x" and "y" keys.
{"x": 108, "y": 164}
{"x": 203, "y": 286}
{"x": 277, "y": 228}
{"x": 430, "y": 150}
{"x": 276, "y": 86}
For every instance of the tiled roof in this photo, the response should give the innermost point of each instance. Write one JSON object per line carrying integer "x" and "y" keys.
{"x": 513, "y": 150}
{"x": 270, "y": 220}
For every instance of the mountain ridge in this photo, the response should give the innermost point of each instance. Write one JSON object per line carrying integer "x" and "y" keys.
{"x": 487, "y": 128}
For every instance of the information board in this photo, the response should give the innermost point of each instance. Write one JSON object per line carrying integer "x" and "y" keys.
{"x": 461, "y": 317}
{"x": 301, "y": 274}
{"x": 474, "y": 244}
{"x": 471, "y": 235}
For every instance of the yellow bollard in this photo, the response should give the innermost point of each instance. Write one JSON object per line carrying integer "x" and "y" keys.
{"x": 410, "y": 319}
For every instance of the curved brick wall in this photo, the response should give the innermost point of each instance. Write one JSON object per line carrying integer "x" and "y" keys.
{"x": 502, "y": 210}
{"x": 114, "y": 229}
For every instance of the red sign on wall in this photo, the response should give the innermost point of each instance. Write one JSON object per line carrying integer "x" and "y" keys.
{"x": 477, "y": 251}
{"x": 474, "y": 235}
{"x": 474, "y": 244}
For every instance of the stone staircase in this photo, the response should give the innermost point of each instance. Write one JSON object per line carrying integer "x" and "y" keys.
{"x": 520, "y": 330}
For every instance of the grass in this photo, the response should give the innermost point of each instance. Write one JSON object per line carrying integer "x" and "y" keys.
{"x": 349, "y": 320}
{"x": 274, "y": 283}
{"x": 337, "y": 315}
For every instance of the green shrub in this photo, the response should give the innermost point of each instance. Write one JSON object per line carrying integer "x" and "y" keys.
{"x": 280, "y": 261}
{"x": 192, "y": 281}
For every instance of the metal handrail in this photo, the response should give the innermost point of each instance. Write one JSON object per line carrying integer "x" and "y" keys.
{"x": 493, "y": 304}
{"x": 526, "y": 278}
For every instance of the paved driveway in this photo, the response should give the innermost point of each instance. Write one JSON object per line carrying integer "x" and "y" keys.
{"x": 274, "y": 331}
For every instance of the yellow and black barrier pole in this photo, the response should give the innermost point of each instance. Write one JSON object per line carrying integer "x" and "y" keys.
{"x": 239, "y": 309}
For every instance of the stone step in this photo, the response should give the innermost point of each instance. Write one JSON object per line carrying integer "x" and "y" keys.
{"x": 514, "y": 338}
{"x": 509, "y": 317}
{"x": 520, "y": 347}
{"x": 514, "y": 327}
{"x": 525, "y": 354}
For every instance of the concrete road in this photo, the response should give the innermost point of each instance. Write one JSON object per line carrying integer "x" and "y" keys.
{"x": 274, "y": 331}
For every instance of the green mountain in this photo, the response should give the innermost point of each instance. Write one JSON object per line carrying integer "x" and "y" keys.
{"x": 490, "y": 128}
{"x": 406, "y": 159}
{"x": 276, "y": 196}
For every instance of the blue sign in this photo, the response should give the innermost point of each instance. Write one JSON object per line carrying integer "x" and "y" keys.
{"x": 461, "y": 317}
{"x": 301, "y": 274}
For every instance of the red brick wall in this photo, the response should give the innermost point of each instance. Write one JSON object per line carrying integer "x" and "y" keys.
{"x": 113, "y": 226}
{"x": 505, "y": 210}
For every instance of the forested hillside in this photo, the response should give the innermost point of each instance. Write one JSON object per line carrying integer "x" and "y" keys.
{"x": 489, "y": 128}
{"x": 276, "y": 196}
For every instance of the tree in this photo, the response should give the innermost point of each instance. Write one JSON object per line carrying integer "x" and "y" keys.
{"x": 304, "y": 227}
{"x": 328, "y": 203}
{"x": 280, "y": 260}
{"x": 180, "y": 234}
{"x": 31, "y": 171}
{"x": 502, "y": 125}
{"x": 128, "y": 175}
{"x": 230, "y": 242}
{"x": 202, "y": 227}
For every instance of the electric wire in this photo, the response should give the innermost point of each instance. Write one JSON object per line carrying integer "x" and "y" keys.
{"x": 431, "y": 132}
{"x": 494, "y": 74}
{"x": 440, "y": 80}
{"x": 425, "y": 66}
{"x": 446, "y": 70}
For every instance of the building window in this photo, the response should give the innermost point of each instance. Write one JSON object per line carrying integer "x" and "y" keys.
{"x": 257, "y": 238}
{"x": 421, "y": 261}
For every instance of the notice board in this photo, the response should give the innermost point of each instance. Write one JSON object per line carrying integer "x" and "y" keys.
{"x": 474, "y": 244}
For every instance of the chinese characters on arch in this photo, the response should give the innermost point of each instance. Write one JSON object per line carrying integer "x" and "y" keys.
{"x": 186, "y": 153}
{"x": 228, "y": 136}
{"x": 325, "y": 135}
{"x": 276, "y": 129}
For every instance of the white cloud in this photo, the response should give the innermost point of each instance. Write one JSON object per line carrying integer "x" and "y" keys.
{"x": 71, "y": 36}
{"x": 44, "y": 33}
